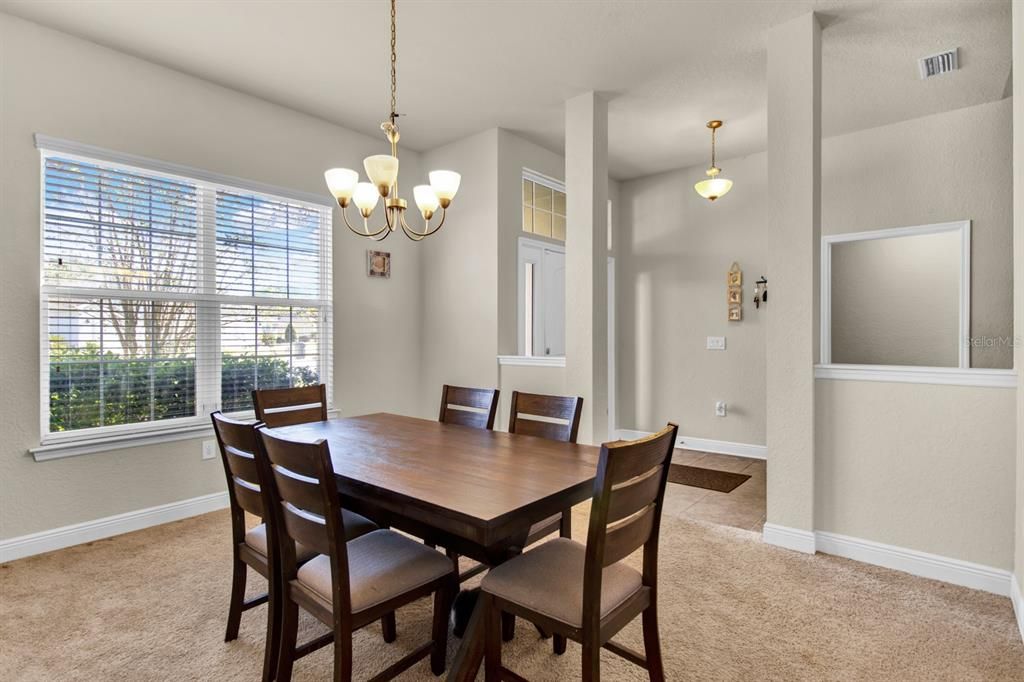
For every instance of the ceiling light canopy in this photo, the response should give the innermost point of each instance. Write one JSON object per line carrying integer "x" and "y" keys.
{"x": 382, "y": 169}
{"x": 713, "y": 186}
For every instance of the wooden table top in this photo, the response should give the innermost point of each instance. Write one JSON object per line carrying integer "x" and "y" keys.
{"x": 478, "y": 484}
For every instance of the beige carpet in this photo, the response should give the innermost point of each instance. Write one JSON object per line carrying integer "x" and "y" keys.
{"x": 151, "y": 605}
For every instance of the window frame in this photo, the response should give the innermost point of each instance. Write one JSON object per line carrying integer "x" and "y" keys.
{"x": 54, "y": 444}
{"x": 555, "y": 186}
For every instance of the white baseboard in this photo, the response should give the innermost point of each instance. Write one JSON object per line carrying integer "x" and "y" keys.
{"x": 1018, "y": 603}
{"x": 934, "y": 566}
{"x": 88, "y": 531}
{"x": 722, "y": 447}
{"x": 789, "y": 538}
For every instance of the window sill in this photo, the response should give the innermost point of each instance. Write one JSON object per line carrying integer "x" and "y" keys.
{"x": 532, "y": 360}
{"x": 949, "y": 376}
{"x": 70, "y": 444}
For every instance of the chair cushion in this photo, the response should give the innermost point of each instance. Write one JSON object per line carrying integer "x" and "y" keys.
{"x": 549, "y": 580}
{"x": 381, "y": 565}
{"x": 355, "y": 525}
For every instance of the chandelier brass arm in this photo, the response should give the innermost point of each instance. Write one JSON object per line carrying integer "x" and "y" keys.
{"x": 418, "y": 236}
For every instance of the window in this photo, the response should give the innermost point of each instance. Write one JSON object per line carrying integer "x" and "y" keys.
{"x": 543, "y": 206}
{"x": 165, "y": 297}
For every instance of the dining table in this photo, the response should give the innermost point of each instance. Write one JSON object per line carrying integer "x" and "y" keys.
{"x": 471, "y": 491}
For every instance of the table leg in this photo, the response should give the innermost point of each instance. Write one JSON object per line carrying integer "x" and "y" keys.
{"x": 471, "y": 652}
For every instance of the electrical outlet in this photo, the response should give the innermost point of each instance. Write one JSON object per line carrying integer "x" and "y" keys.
{"x": 209, "y": 449}
{"x": 720, "y": 408}
{"x": 716, "y": 343}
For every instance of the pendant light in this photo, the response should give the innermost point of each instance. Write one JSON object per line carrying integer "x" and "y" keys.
{"x": 713, "y": 186}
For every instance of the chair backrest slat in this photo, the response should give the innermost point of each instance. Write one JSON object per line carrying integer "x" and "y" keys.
{"x": 303, "y": 493}
{"x": 475, "y": 407}
{"x": 625, "y": 537}
{"x": 630, "y": 497}
{"x": 287, "y": 406}
{"x": 566, "y": 409}
{"x": 306, "y": 529}
{"x": 237, "y": 441}
{"x": 626, "y": 511}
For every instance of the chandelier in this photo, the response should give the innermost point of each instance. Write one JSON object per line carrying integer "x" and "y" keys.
{"x": 382, "y": 169}
{"x": 713, "y": 186}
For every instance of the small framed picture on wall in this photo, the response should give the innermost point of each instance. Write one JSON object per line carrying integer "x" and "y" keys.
{"x": 378, "y": 264}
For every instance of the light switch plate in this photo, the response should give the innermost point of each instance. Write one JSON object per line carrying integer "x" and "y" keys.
{"x": 209, "y": 449}
{"x": 716, "y": 343}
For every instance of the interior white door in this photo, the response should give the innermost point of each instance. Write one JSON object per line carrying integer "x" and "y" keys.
{"x": 554, "y": 303}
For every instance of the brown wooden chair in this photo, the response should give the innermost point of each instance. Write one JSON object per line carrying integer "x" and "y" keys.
{"x": 587, "y": 593}
{"x": 526, "y": 407}
{"x": 277, "y": 407}
{"x": 351, "y": 584}
{"x": 245, "y": 473}
{"x": 474, "y": 407}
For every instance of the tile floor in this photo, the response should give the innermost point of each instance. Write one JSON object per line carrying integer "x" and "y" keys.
{"x": 744, "y": 507}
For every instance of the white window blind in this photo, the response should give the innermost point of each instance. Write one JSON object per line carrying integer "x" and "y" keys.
{"x": 164, "y": 297}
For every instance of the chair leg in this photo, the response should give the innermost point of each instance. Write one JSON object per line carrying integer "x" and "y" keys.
{"x": 565, "y": 525}
{"x": 492, "y": 639}
{"x": 237, "y": 599}
{"x": 342, "y": 656}
{"x": 454, "y": 559}
{"x": 443, "y": 599}
{"x": 591, "y": 660}
{"x": 289, "y": 632}
{"x": 508, "y": 627}
{"x": 273, "y": 643}
{"x": 558, "y": 644}
{"x": 652, "y": 644}
{"x": 388, "y": 627}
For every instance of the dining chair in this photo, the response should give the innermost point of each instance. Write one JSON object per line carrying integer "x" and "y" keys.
{"x": 526, "y": 407}
{"x": 349, "y": 584}
{"x": 241, "y": 458}
{"x": 587, "y": 592}
{"x": 474, "y": 407}
{"x": 278, "y": 407}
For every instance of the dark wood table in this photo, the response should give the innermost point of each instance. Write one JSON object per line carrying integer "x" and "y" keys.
{"x": 473, "y": 491}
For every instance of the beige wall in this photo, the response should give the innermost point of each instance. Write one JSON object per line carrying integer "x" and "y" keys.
{"x": 1018, "y": 278}
{"x": 674, "y": 249}
{"x": 62, "y": 86}
{"x": 543, "y": 380}
{"x": 918, "y": 466}
{"x": 936, "y": 169}
{"x": 458, "y": 337}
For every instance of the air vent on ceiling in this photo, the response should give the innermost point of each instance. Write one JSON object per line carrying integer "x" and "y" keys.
{"x": 936, "y": 64}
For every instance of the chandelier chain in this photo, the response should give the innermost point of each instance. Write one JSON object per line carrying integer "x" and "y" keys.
{"x": 394, "y": 62}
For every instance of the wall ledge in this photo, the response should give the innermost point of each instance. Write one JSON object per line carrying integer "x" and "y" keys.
{"x": 912, "y": 561}
{"x": 949, "y": 376}
{"x": 98, "y": 529}
{"x": 531, "y": 360}
{"x": 720, "y": 447}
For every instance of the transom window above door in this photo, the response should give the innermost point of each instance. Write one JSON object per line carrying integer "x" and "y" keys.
{"x": 543, "y": 206}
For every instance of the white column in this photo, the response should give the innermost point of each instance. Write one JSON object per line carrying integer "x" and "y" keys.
{"x": 794, "y": 174}
{"x": 586, "y": 257}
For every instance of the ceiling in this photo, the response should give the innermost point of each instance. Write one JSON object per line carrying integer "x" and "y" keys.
{"x": 469, "y": 65}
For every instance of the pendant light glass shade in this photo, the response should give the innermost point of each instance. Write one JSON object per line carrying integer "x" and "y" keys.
{"x": 426, "y": 200}
{"x": 365, "y": 198}
{"x": 445, "y": 184}
{"x": 713, "y": 186}
{"x": 341, "y": 182}
{"x": 382, "y": 170}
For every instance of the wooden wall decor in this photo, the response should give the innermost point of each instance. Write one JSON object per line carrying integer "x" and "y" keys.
{"x": 734, "y": 293}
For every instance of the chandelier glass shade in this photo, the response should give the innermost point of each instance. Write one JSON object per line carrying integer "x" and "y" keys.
{"x": 382, "y": 170}
{"x": 713, "y": 186}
